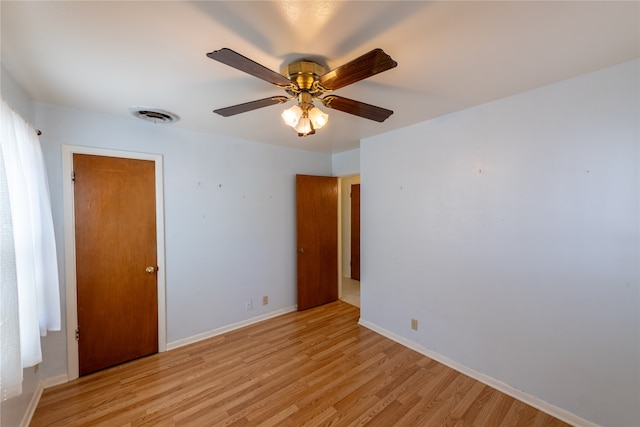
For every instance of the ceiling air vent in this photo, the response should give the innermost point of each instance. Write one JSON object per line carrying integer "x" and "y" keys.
{"x": 154, "y": 115}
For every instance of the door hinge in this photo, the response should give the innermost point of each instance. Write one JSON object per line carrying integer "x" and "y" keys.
{"x": 78, "y": 333}
{"x": 73, "y": 176}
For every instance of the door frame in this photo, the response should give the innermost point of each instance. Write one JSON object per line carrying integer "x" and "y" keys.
{"x": 70, "y": 246}
{"x": 342, "y": 228}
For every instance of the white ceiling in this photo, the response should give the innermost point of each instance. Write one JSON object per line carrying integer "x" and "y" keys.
{"x": 109, "y": 56}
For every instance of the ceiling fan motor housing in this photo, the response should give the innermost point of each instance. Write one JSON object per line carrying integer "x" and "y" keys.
{"x": 304, "y": 73}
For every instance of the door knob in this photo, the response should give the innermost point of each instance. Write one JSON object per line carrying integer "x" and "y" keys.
{"x": 150, "y": 270}
{"x": 300, "y": 250}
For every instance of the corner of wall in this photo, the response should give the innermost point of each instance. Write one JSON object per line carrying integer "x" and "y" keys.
{"x": 15, "y": 95}
{"x": 346, "y": 163}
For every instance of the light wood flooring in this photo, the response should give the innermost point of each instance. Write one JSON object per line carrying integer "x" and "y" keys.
{"x": 316, "y": 367}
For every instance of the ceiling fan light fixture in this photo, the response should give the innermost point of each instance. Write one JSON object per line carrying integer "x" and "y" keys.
{"x": 318, "y": 117}
{"x": 304, "y": 117}
{"x": 292, "y": 115}
{"x": 304, "y": 126}
{"x": 308, "y": 80}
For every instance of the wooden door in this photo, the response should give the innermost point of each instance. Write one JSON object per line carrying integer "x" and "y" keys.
{"x": 355, "y": 231}
{"x": 116, "y": 260}
{"x": 317, "y": 240}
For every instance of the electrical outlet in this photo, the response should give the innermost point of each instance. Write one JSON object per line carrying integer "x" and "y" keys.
{"x": 414, "y": 324}
{"x": 248, "y": 304}
{"x": 265, "y": 300}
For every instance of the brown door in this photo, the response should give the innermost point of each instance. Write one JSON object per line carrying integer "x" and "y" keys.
{"x": 355, "y": 231}
{"x": 317, "y": 239}
{"x": 115, "y": 230}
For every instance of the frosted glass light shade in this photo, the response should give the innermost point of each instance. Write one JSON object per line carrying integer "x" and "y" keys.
{"x": 318, "y": 117}
{"x": 292, "y": 115}
{"x": 304, "y": 126}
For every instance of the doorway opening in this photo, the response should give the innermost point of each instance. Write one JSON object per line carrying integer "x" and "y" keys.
{"x": 349, "y": 283}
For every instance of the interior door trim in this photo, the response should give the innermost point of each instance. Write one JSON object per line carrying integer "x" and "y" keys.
{"x": 70, "y": 251}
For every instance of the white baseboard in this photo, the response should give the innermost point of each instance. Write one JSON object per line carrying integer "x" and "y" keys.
{"x": 215, "y": 332}
{"x": 537, "y": 403}
{"x": 35, "y": 399}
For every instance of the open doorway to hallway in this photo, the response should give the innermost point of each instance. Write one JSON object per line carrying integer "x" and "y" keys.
{"x": 350, "y": 291}
{"x": 349, "y": 278}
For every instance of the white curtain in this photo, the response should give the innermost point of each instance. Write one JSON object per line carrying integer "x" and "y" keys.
{"x": 29, "y": 298}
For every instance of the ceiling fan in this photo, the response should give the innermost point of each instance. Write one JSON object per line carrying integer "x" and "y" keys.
{"x": 306, "y": 81}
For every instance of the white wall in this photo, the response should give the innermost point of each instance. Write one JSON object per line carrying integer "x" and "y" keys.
{"x": 15, "y": 96}
{"x": 229, "y": 213}
{"x": 510, "y": 231}
{"x": 346, "y": 163}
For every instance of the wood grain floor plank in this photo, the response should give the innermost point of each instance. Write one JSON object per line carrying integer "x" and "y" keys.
{"x": 312, "y": 368}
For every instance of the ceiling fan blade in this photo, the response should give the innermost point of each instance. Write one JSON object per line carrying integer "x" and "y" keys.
{"x": 242, "y": 63}
{"x": 356, "y": 108}
{"x": 365, "y": 66}
{"x": 249, "y": 106}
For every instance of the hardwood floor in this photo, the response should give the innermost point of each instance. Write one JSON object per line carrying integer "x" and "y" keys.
{"x": 316, "y": 367}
